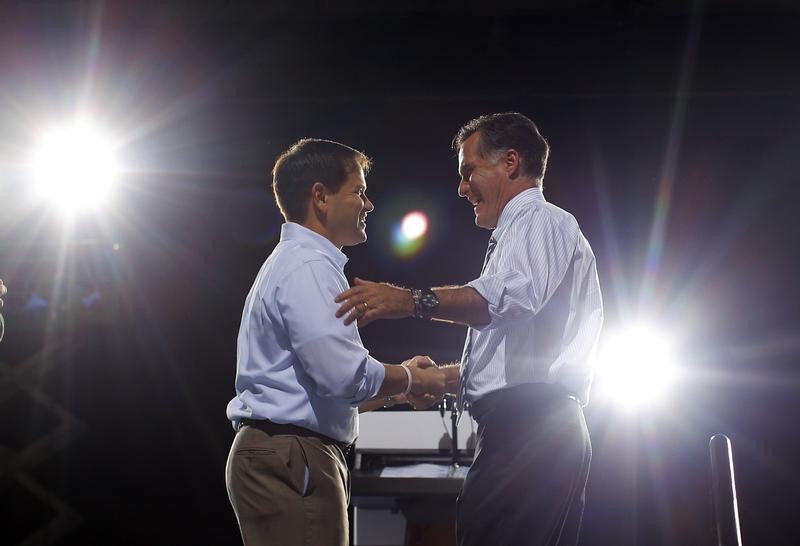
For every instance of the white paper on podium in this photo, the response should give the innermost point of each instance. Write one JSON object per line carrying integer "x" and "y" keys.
{"x": 424, "y": 470}
{"x": 410, "y": 431}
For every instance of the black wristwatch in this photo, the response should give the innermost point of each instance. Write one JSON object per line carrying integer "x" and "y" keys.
{"x": 425, "y": 302}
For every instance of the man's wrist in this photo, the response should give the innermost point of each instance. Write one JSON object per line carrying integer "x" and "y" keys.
{"x": 410, "y": 379}
{"x": 426, "y": 302}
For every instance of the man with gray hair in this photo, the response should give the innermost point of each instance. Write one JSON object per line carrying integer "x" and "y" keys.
{"x": 534, "y": 317}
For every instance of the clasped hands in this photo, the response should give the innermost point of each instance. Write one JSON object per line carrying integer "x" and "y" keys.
{"x": 428, "y": 386}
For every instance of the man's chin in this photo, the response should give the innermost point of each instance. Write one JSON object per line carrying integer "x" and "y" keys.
{"x": 358, "y": 239}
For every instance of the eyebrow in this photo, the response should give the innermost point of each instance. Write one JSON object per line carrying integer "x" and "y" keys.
{"x": 465, "y": 169}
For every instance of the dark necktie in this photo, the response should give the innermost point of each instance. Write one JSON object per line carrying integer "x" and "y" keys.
{"x": 465, "y": 368}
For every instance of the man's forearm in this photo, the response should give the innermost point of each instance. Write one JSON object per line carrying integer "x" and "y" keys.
{"x": 368, "y": 301}
{"x": 461, "y": 304}
{"x": 395, "y": 381}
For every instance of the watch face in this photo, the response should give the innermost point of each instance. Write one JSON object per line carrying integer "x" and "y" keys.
{"x": 429, "y": 300}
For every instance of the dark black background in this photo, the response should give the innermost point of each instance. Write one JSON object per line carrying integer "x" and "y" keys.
{"x": 686, "y": 111}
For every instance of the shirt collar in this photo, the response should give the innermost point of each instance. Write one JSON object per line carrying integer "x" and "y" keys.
{"x": 521, "y": 201}
{"x": 295, "y": 232}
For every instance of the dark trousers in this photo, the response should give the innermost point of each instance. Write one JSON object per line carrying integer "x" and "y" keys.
{"x": 288, "y": 490}
{"x": 526, "y": 485}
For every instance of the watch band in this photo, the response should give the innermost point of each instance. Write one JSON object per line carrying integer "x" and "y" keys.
{"x": 416, "y": 295}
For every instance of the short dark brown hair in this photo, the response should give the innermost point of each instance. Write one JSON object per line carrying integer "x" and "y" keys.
{"x": 510, "y": 130}
{"x": 307, "y": 161}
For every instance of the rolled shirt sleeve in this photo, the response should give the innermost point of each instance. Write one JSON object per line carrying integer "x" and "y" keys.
{"x": 329, "y": 352}
{"x": 522, "y": 275}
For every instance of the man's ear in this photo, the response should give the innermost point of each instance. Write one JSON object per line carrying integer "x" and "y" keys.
{"x": 513, "y": 163}
{"x": 319, "y": 195}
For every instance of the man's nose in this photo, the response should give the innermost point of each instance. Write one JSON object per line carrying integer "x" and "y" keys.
{"x": 463, "y": 186}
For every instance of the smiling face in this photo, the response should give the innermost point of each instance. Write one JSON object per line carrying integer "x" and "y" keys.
{"x": 347, "y": 211}
{"x": 484, "y": 182}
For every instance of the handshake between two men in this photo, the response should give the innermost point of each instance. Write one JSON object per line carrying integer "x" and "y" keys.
{"x": 427, "y": 382}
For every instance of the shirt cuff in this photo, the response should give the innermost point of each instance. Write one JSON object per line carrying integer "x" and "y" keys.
{"x": 374, "y": 375}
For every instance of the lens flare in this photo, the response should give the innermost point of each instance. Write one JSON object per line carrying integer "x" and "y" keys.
{"x": 414, "y": 225}
{"x": 409, "y": 235}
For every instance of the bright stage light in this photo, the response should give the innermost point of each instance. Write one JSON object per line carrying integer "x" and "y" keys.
{"x": 75, "y": 167}
{"x": 636, "y": 367}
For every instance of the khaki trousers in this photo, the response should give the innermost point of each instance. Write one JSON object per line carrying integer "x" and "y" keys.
{"x": 288, "y": 490}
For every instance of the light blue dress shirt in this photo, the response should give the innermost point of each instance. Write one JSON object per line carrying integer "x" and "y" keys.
{"x": 544, "y": 301}
{"x": 296, "y": 362}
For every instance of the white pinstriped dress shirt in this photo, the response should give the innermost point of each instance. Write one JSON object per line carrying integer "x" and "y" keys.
{"x": 544, "y": 302}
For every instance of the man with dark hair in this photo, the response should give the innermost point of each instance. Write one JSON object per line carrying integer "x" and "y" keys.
{"x": 311, "y": 160}
{"x": 301, "y": 373}
{"x": 534, "y": 318}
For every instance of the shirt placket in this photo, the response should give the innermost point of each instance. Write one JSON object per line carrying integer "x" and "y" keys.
{"x": 465, "y": 364}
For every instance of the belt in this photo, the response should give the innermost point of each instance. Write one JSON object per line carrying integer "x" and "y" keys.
{"x": 525, "y": 395}
{"x": 281, "y": 429}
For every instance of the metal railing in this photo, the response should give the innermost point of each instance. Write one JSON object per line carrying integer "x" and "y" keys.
{"x": 723, "y": 490}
